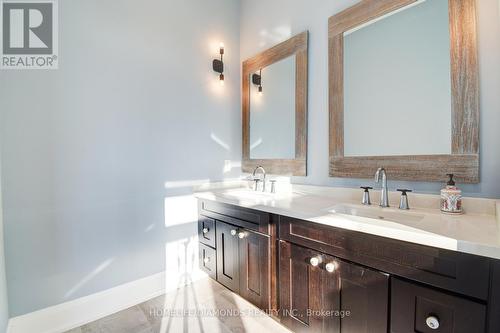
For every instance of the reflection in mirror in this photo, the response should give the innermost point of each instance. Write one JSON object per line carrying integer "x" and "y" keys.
{"x": 397, "y": 83}
{"x": 272, "y": 111}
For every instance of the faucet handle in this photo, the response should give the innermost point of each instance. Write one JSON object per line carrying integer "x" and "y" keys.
{"x": 403, "y": 203}
{"x": 404, "y": 191}
{"x": 366, "y": 195}
{"x": 273, "y": 185}
{"x": 257, "y": 181}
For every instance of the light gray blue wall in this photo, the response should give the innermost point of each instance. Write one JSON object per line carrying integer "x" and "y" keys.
{"x": 87, "y": 149}
{"x": 265, "y": 23}
{"x": 4, "y": 305}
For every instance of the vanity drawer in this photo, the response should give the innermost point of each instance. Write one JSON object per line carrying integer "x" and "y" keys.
{"x": 238, "y": 216}
{"x": 424, "y": 310}
{"x": 208, "y": 260}
{"x": 458, "y": 272}
{"x": 206, "y": 231}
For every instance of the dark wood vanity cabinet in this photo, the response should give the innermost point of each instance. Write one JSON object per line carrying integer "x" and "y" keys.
{"x": 243, "y": 261}
{"x": 326, "y": 279}
{"x": 242, "y": 252}
{"x": 321, "y": 293}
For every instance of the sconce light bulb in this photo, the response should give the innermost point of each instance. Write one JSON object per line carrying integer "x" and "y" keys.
{"x": 221, "y": 48}
{"x": 260, "y": 90}
{"x": 221, "y": 79}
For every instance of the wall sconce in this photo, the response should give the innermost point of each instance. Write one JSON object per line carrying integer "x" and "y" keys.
{"x": 257, "y": 80}
{"x": 218, "y": 65}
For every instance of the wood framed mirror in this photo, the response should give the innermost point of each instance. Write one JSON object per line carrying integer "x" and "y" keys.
{"x": 274, "y": 108}
{"x": 447, "y": 140}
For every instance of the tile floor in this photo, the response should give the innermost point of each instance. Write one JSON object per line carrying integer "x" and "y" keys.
{"x": 211, "y": 308}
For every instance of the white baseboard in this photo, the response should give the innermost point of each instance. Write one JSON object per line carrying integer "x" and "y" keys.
{"x": 66, "y": 316}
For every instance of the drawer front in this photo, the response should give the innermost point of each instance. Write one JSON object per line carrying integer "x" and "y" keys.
{"x": 457, "y": 272}
{"x": 206, "y": 231}
{"x": 208, "y": 260}
{"x": 423, "y": 310}
{"x": 238, "y": 216}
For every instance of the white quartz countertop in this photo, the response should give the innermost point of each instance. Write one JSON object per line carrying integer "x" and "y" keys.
{"x": 476, "y": 232}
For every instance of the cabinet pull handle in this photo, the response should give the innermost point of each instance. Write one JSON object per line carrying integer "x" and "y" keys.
{"x": 233, "y": 232}
{"x": 241, "y": 235}
{"x": 330, "y": 267}
{"x": 314, "y": 261}
{"x": 206, "y": 260}
{"x": 205, "y": 230}
{"x": 432, "y": 322}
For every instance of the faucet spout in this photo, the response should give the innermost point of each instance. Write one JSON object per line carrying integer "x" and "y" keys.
{"x": 381, "y": 175}
{"x": 262, "y": 180}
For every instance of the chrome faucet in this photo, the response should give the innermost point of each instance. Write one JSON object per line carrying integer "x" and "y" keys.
{"x": 384, "y": 196}
{"x": 257, "y": 180}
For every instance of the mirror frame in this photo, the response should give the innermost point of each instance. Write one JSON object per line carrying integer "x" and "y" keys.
{"x": 464, "y": 158}
{"x": 298, "y": 46}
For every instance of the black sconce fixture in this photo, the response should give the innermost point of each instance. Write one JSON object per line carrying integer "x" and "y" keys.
{"x": 257, "y": 80}
{"x": 218, "y": 65}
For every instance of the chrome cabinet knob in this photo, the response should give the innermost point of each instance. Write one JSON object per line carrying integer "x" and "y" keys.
{"x": 233, "y": 232}
{"x": 314, "y": 261}
{"x": 206, "y": 260}
{"x": 330, "y": 267}
{"x": 205, "y": 230}
{"x": 241, "y": 235}
{"x": 432, "y": 322}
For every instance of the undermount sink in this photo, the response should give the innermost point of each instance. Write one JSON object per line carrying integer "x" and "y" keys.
{"x": 378, "y": 213}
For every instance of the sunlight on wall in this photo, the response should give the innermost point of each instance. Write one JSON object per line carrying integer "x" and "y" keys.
{"x": 203, "y": 184}
{"x": 149, "y": 228}
{"x": 230, "y": 165}
{"x": 220, "y": 142}
{"x": 186, "y": 183}
{"x": 89, "y": 277}
{"x": 180, "y": 210}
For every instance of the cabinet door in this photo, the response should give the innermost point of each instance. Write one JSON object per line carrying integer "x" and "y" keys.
{"x": 305, "y": 291}
{"x": 364, "y": 293}
{"x": 227, "y": 256}
{"x": 332, "y": 295}
{"x": 254, "y": 268}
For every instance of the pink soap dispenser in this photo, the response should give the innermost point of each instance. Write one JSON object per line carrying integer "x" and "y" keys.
{"x": 451, "y": 198}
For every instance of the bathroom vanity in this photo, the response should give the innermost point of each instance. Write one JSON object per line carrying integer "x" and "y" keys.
{"x": 318, "y": 268}
{"x": 403, "y": 100}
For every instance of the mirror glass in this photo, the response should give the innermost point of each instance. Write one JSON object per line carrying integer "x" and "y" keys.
{"x": 397, "y": 83}
{"x": 272, "y": 111}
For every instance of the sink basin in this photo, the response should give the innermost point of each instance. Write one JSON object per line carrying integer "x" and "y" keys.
{"x": 378, "y": 213}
